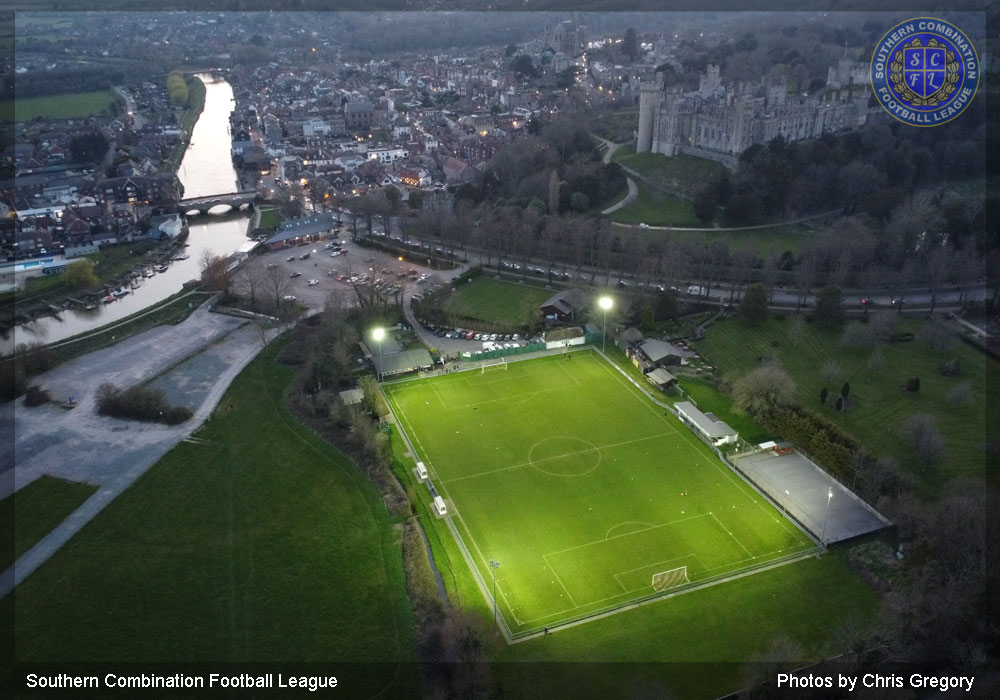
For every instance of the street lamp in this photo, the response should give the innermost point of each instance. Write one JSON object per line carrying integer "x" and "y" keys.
{"x": 829, "y": 497}
{"x": 605, "y": 303}
{"x": 494, "y": 565}
{"x": 378, "y": 334}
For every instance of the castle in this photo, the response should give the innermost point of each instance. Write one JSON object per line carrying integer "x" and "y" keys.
{"x": 720, "y": 122}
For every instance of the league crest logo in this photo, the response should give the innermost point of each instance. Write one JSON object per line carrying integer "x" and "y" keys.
{"x": 925, "y": 72}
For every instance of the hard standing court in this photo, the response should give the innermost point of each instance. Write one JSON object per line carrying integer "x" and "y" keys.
{"x": 590, "y": 495}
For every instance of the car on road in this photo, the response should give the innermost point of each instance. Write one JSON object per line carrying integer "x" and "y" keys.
{"x": 313, "y": 282}
{"x": 271, "y": 266}
{"x": 295, "y": 274}
{"x": 290, "y": 258}
{"x": 304, "y": 256}
{"x": 643, "y": 225}
{"x": 288, "y": 297}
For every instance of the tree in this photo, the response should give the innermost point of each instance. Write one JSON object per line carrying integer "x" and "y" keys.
{"x": 961, "y": 394}
{"x": 705, "y": 202}
{"x": 796, "y": 329}
{"x": 214, "y": 276}
{"x": 579, "y": 202}
{"x": 875, "y": 362}
{"x": 762, "y": 390}
{"x": 858, "y": 335}
{"x": 276, "y": 284}
{"x": 524, "y": 66}
{"x": 753, "y": 305}
{"x": 79, "y": 274}
{"x": 831, "y": 371}
{"x": 630, "y": 44}
{"x": 89, "y": 148}
{"x": 178, "y": 89}
{"x": 845, "y": 390}
{"x": 250, "y": 278}
{"x": 824, "y": 392}
{"x": 921, "y": 432}
{"x": 938, "y": 336}
{"x": 830, "y": 305}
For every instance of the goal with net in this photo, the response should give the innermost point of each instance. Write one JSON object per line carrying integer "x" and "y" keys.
{"x": 671, "y": 578}
{"x": 493, "y": 366}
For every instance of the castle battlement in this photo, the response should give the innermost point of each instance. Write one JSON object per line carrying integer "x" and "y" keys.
{"x": 725, "y": 120}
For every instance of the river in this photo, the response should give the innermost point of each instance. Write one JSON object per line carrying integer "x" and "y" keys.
{"x": 206, "y": 168}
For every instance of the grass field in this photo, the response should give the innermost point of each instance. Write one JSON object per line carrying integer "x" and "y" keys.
{"x": 257, "y": 543}
{"x": 879, "y": 407}
{"x": 68, "y": 106}
{"x": 764, "y": 242}
{"x": 657, "y": 209}
{"x": 32, "y": 512}
{"x": 680, "y": 173}
{"x": 581, "y": 487}
{"x": 270, "y": 218}
{"x": 500, "y": 302}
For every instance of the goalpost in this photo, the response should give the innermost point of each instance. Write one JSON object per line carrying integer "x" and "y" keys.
{"x": 670, "y": 578}
{"x": 499, "y": 364}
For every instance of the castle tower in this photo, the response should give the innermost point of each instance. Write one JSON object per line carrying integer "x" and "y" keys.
{"x": 649, "y": 97}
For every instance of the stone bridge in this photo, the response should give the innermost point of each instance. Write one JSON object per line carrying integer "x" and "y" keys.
{"x": 236, "y": 200}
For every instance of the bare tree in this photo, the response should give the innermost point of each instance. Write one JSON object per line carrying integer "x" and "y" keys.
{"x": 762, "y": 390}
{"x": 858, "y": 335}
{"x": 937, "y": 335}
{"x": 249, "y": 278}
{"x": 968, "y": 269}
{"x": 921, "y": 432}
{"x": 831, "y": 371}
{"x": 214, "y": 275}
{"x": 275, "y": 284}
{"x": 796, "y": 329}
{"x": 805, "y": 277}
{"x": 938, "y": 265}
{"x": 875, "y": 363}
{"x": 961, "y": 394}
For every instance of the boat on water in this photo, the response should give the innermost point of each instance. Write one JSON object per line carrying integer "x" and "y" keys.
{"x": 109, "y": 298}
{"x": 183, "y": 256}
{"x": 161, "y": 268}
{"x": 122, "y": 292}
{"x": 148, "y": 273}
{"x": 90, "y": 307}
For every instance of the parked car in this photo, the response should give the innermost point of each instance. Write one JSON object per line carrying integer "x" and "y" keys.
{"x": 288, "y": 297}
{"x": 295, "y": 274}
{"x": 313, "y": 282}
{"x": 290, "y": 258}
{"x": 304, "y": 256}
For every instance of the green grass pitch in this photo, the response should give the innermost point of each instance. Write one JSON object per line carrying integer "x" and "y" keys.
{"x": 581, "y": 487}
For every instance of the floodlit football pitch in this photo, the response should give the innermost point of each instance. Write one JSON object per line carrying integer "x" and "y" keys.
{"x": 590, "y": 495}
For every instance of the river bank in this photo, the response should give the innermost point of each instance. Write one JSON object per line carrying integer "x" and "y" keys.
{"x": 159, "y": 270}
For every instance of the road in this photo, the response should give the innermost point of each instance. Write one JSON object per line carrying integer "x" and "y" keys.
{"x": 137, "y": 120}
{"x": 633, "y": 190}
